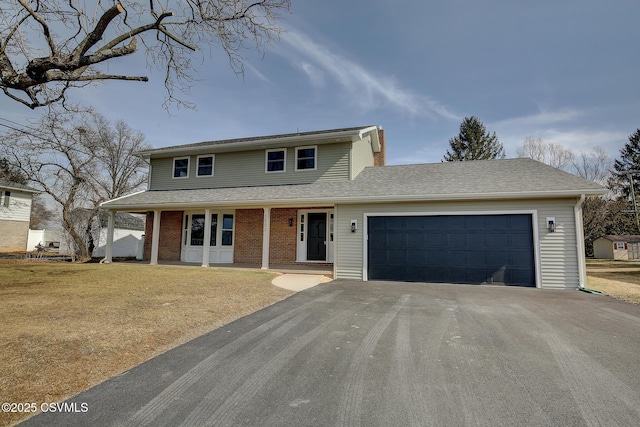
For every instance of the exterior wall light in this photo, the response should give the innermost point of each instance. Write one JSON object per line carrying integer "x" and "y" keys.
{"x": 551, "y": 224}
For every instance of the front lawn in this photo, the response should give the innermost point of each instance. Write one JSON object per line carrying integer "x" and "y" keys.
{"x": 618, "y": 279}
{"x": 66, "y": 327}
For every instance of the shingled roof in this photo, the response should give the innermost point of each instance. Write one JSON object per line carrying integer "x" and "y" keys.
{"x": 319, "y": 136}
{"x": 12, "y": 185}
{"x": 488, "y": 179}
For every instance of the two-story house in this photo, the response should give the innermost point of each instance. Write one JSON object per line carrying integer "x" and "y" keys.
{"x": 327, "y": 197}
{"x": 15, "y": 213}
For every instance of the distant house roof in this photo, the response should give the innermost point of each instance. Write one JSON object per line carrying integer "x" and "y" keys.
{"x": 12, "y": 185}
{"x": 629, "y": 238}
{"x": 268, "y": 141}
{"x": 123, "y": 221}
{"x": 470, "y": 180}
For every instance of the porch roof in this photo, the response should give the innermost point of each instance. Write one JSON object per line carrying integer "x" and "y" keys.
{"x": 489, "y": 179}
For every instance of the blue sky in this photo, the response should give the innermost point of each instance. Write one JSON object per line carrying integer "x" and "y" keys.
{"x": 564, "y": 71}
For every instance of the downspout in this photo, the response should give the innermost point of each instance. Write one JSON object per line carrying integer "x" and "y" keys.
{"x": 582, "y": 263}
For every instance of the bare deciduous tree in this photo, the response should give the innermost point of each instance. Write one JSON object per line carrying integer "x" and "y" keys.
{"x": 47, "y": 47}
{"x": 594, "y": 165}
{"x": 79, "y": 160}
{"x": 550, "y": 153}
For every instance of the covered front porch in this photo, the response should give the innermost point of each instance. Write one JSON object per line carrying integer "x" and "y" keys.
{"x": 293, "y": 238}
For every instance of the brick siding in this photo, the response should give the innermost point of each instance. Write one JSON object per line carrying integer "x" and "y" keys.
{"x": 169, "y": 245}
{"x": 14, "y": 236}
{"x": 282, "y": 248}
{"x": 247, "y": 248}
{"x": 380, "y": 159}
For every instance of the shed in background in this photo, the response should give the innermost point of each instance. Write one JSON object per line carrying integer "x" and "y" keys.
{"x": 624, "y": 247}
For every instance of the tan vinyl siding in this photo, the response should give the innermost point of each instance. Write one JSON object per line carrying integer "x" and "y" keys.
{"x": 558, "y": 257}
{"x": 558, "y": 250}
{"x": 19, "y": 208}
{"x": 361, "y": 156}
{"x": 247, "y": 168}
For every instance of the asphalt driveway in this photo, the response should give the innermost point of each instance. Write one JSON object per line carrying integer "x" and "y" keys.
{"x": 390, "y": 354}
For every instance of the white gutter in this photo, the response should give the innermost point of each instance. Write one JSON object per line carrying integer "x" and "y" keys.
{"x": 212, "y": 146}
{"x": 350, "y": 199}
{"x": 582, "y": 263}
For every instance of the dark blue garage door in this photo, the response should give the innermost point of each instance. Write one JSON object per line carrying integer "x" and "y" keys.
{"x": 470, "y": 249}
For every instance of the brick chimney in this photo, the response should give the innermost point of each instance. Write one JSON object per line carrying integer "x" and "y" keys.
{"x": 380, "y": 159}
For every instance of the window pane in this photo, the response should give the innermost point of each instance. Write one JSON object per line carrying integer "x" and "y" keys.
{"x": 306, "y": 152}
{"x": 214, "y": 229}
{"x": 275, "y": 166}
{"x": 306, "y": 163}
{"x": 186, "y": 228}
{"x": 180, "y": 168}
{"x": 275, "y": 161}
{"x": 205, "y": 166}
{"x": 227, "y": 230}
{"x": 227, "y": 238}
{"x": 275, "y": 155}
{"x": 197, "y": 230}
{"x": 306, "y": 158}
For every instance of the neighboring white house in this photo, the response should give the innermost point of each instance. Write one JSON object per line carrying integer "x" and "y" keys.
{"x": 626, "y": 247}
{"x": 49, "y": 239}
{"x": 15, "y": 213}
{"x": 128, "y": 236}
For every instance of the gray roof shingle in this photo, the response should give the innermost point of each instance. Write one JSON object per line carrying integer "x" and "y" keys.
{"x": 488, "y": 179}
{"x": 12, "y": 185}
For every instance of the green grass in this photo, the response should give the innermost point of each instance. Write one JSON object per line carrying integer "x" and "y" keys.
{"x": 67, "y": 327}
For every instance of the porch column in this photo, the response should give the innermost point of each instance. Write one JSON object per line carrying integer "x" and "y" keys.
{"x": 108, "y": 251}
{"x": 207, "y": 238}
{"x": 155, "y": 237}
{"x": 266, "y": 236}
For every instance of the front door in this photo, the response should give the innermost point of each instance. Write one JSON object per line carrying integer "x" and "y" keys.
{"x": 317, "y": 237}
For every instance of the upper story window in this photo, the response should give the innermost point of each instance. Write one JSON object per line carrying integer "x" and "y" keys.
{"x": 306, "y": 158}
{"x": 276, "y": 160}
{"x": 181, "y": 167}
{"x": 205, "y": 165}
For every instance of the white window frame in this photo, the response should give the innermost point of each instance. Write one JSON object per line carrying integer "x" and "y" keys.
{"x": 173, "y": 168}
{"x": 266, "y": 160}
{"x": 5, "y": 198}
{"x": 315, "y": 157}
{"x": 213, "y": 165}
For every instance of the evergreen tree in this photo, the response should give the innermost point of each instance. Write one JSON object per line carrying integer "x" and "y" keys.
{"x": 629, "y": 161}
{"x": 10, "y": 173}
{"x": 474, "y": 142}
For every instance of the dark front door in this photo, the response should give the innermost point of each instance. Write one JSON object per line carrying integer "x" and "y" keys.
{"x": 317, "y": 237}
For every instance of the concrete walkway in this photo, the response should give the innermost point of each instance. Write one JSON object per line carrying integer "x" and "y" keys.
{"x": 299, "y": 282}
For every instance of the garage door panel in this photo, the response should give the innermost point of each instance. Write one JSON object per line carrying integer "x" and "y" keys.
{"x": 452, "y": 249}
{"x": 416, "y": 240}
{"x": 434, "y": 239}
{"x": 498, "y": 257}
{"x": 397, "y": 257}
{"x": 520, "y": 239}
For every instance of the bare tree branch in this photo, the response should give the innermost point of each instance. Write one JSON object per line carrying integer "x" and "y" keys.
{"x": 74, "y": 34}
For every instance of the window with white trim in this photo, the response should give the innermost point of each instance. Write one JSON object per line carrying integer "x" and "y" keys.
{"x": 181, "y": 167}
{"x": 6, "y": 200}
{"x": 205, "y": 165}
{"x": 276, "y": 160}
{"x": 306, "y": 158}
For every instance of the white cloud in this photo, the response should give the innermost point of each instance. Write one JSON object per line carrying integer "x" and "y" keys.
{"x": 362, "y": 87}
{"x": 315, "y": 75}
{"x": 570, "y": 128}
